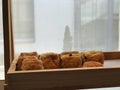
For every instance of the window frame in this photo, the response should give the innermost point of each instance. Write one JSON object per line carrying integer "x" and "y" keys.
{"x": 7, "y": 35}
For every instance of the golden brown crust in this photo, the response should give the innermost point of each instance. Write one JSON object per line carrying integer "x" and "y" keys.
{"x": 20, "y": 60}
{"x": 32, "y": 64}
{"x": 92, "y": 64}
{"x": 50, "y": 60}
{"x": 69, "y": 52}
{"x": 71, "y": 61}
{"x": 94, "y": 56}
{"x": 50, "y": 64}
{"x": 29, "y": 54}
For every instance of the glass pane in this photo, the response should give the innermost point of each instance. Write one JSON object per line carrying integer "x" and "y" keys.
{"x": 65, "y": 25}
{"x": 23, "y": 20}
{"x": 1, "y": 45}
{"x": 98, "y": 25}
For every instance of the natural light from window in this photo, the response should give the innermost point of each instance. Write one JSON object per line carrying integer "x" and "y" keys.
{"x": 1, "y": 45}
{"x": 64, "y": 25}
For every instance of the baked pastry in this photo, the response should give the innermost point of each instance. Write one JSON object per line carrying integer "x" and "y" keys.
{"x": 29, "y": 54}
{"x": 92, "y": 64}
{"x": 69, "y": 52}
{"x": 71, "y": 61}
{"x": 97, "y": 56}
{"x": 50, "y": 60}
{"x": 20, "y": 60}
{"x": 32, "y": 64}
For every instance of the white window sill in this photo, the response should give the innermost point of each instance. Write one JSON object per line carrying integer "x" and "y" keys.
{"x": 2, "y": 75}
{"x": 107, "y": 88}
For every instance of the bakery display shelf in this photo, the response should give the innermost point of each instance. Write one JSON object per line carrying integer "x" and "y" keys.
{"x": 67, "y": 78}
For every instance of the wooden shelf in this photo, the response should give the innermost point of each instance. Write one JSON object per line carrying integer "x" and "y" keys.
{"x": 72, "y": 78}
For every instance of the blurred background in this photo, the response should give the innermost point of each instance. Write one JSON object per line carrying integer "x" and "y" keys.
{"x": 63, "y": 25}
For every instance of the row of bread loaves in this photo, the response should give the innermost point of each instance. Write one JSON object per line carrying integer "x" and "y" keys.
{"x": 51, "y": 60}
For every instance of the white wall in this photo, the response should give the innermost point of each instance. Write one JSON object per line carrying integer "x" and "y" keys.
{"x": 51, "y": 17}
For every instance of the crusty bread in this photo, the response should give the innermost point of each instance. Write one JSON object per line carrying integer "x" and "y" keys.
{"x": 29, "y": 54}
{"x": 71, "y": 61}
{"x": 20, "y": 60}
{"x": 32, "y": 64}
{"x": 97, "y": 56}
{"x": 69, "y": 52}
{"x": 92, "y": 64}
{"x": 50, "y": 60}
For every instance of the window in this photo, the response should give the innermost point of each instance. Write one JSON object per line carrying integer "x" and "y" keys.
{"x": 90, "y": 25}
{"x": 23, "y": 20}
{"x": 98, "y": 25}
{"x": 93, "y": 22}
{"x": 23, "y": 24}
{"x": 1, "y": 45}
{"x": 59, "y": 25}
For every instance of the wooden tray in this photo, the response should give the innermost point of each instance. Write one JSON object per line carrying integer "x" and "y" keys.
{"x": 67, "y": 79}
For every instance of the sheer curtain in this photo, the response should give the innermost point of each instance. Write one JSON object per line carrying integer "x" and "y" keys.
{"x": 98, "y": 26}
{"x": 23, "y": 25}
{"x": 23, "y": 20}
{"x": 93, "y": 24}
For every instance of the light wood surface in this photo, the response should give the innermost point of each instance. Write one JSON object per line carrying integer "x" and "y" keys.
{"x": 112, "y": 55}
